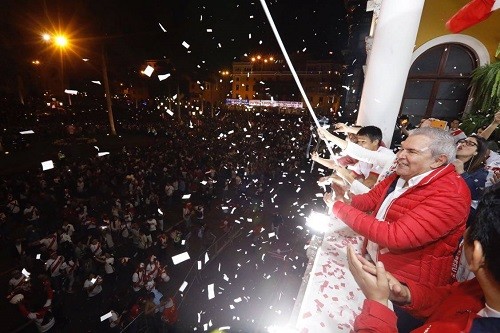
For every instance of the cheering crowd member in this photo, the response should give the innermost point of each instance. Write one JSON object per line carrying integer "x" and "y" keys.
{"x": 472, "y": 306}
{"x": 364, "y": 174}
{"x": 419, "y": 212}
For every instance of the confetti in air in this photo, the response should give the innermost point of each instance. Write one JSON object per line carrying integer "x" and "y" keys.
{"x": 163, "y": 76}
{"x": 47, "y": 165}
{"x": 183, "y": 286}
{"x": 106, "y": 316}
{"x": 180, "y": 258}
{"x": 148, "y": 71}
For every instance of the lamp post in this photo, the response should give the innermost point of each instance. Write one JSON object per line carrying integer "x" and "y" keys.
{"x": 60, "y": 41}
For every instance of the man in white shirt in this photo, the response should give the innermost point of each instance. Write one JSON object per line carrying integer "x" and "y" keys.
{"x": 93, "y": 285}
{"x": 152, "y": 224}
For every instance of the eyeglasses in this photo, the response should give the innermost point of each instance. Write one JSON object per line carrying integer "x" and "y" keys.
{"x": 468, "y": 143}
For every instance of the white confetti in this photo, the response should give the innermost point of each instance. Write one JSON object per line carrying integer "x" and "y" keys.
{"x": 186, "y": 45}
{"x": 27, "y": 132}
{"x": 148, "y": 71}
{"x": 162, "y": 28}
{"x": 186, "y": 196}
{"x": 183, "y": 286}
{"x": 26, "y": 273}
{"x": 211, "y": 293}
{"x": 47, "y": 165}
{"x": 180, "y": 258}
{"x": 106, "y": 316}
{"x": 71, "y": 92}
{"x": 162, "y": 77}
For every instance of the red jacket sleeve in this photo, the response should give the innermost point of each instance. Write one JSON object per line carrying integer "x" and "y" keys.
{"x": 430, "y": 220}
{"x": 374, "y": 318}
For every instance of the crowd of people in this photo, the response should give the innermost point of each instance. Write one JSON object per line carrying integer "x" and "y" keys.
{"x": 96, "y": 225}
{"x": 413, "y": 208}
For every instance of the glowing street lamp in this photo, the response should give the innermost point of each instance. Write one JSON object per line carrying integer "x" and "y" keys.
{"x": 61, "y": 41}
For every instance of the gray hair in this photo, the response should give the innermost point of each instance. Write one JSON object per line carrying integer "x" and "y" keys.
{"x": 442, "y": 142}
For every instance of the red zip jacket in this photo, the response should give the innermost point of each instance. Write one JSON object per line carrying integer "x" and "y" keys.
{"x": 421, "y": 229}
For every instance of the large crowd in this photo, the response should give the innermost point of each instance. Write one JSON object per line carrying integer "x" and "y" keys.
{"x": 97, "y": 225}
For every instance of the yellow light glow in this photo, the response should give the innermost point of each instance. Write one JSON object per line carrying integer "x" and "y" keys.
{"x": 271, "y": 58}
{"x": 253, "y": 58}
{"x": 46, "y": 37}
{"x": 258, "y": 57}
{"x": 61, "y": 41}
{"x": 265, "y": 60}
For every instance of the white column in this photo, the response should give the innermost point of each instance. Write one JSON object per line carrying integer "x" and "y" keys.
{"x": 390, "y": 61}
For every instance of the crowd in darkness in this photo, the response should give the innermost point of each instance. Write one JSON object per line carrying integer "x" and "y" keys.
{"x": 95, "y": 225}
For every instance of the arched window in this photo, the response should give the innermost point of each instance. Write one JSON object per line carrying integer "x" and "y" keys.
{"x": 438, "y": 82}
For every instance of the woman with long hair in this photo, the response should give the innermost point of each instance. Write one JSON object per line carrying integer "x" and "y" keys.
{"x": 472, "y": 153}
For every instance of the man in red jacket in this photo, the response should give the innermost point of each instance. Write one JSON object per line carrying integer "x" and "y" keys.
{"x": 471, "y": 306}
{"x": 414, "y": 218}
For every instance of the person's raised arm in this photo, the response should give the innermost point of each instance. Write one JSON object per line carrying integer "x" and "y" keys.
{"x": 341, "y": 127}
{"x": 325, "y": 135}
{"x": 491, "y": 127}
{"x": 330, "y": 164}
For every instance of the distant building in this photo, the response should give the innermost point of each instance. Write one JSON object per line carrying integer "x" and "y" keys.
{"x": 267, "y": 78}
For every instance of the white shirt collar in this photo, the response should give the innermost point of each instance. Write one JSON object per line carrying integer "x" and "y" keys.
{"x": 488, "y": 312}
{"x": 412, "y": 181}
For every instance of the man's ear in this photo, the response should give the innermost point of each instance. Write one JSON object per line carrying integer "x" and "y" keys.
{"x": 477, "y": 258}
{"x": 439, "y": 161}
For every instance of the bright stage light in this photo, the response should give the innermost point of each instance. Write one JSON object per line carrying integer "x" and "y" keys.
{"x": 318, "y": 222}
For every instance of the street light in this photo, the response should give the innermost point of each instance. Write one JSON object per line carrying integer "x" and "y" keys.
{"x": 61, "y": 41}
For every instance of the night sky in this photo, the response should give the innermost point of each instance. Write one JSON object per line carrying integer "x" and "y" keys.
{"x": 131, "y": 32}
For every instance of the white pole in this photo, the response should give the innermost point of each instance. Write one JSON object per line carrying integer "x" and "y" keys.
{"x": 390, "y": 60}
{"x": 290, "y": 65}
